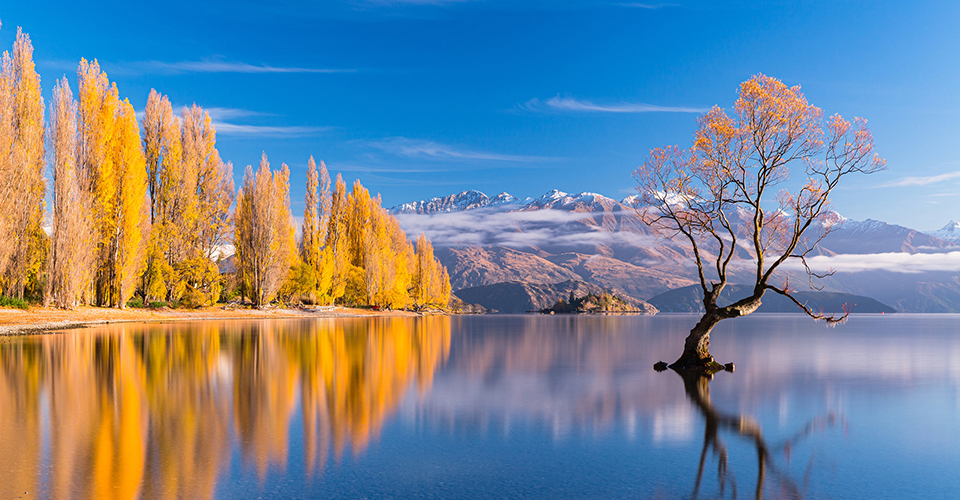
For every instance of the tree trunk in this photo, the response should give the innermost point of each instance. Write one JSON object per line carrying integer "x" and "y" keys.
{"x": 696, "y": 348}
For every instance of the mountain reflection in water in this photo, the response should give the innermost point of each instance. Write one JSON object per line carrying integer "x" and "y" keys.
{"x": 482, "y": 407}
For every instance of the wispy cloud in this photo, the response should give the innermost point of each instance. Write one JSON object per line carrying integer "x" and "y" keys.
{"x": 223, "y": 122}
{"x": 922, "y": 180}
{"x": 219, "y": 66}
{"x": 209, "y": 65}
{"x": 413, "y": 148}
{"x": 389, "y": 169}
{"x": 231, "y": 113}
{"x": 648, "y": 6}
{"x": 415, "y": 2}
{"x": 569, "y": 104}
{"x": 226, "y": 128}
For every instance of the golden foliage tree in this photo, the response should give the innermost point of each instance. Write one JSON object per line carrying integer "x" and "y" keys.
{"x": 714, "y": 195}
{"x": 22, "y": 156}
{"x": 263, "y": 231}
{"x": 431, "y": 284}
{"x": 73, "y": 240}
{"x": 112, "y": 160}
{"x": 337, "y": 246}
{"x": 316, "y": 275}
{"x": 191, "y": 190}
{"x": 9, "y": 189}
{"x": 163, "y": 152}
{"x": 355, "y": 252}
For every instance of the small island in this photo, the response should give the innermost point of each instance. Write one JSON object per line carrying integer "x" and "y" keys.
{"x": 603, "y": 303}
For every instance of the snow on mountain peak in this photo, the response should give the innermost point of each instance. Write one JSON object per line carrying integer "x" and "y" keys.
{"x": 471, "y": 199}
{"x": 952, "y": 226}
{"x": 552, "y": 195}
{"x": 503, "y": 198}
{"x": 949, "y": 232}
{"x": 631, "y": 201}
{"x": 464, "y": 200}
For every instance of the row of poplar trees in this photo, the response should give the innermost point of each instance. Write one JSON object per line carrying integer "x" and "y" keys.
{"x": 145, "y": 208}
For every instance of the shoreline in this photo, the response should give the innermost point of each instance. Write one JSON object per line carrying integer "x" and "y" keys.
{"x": 40, "y": 320}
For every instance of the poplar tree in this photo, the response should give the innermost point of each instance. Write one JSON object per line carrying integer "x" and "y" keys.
{"x": 337, "y": 245}
{"x": 431, "y": 284}
{"x": 24, "y": 134}
{"x": 309, "y": 239}
{"x": 11, "y": 176}
{"x": 210, "y": 196}
{"x": 191, "y": 191}
{"x": 264, "y": 235}
{"x": 111, "y": 158}
{"x": 163, "y": 154}
{"x": 73, "y": 241}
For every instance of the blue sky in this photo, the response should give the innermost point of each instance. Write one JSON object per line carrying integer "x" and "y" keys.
{"x": 423, "y": 98}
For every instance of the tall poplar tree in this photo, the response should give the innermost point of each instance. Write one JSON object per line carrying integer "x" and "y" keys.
{"x": 317, "y": 270}
{"x": 111, "y": 158}
{"x": 191, "y": 192}
{"x": 431, "y": 284}
{"x": 337, "y": 244}
{"x": 163, "y": 155}
{"x": 73, "y": 241}
{"x": 264, "y": 234}
{"x": 10, "y": 187}
{"x": 25, "y": 108}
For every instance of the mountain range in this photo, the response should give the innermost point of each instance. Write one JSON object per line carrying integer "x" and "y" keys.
{"x": 602, "y": 241}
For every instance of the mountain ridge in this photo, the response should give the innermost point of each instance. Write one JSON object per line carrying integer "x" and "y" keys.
{"x": 602, "y": 241}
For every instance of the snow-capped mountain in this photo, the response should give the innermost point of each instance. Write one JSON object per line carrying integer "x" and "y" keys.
{"x": 587, "y": 236}
{"x": 950, "y": 232}
{"x": 454, "y": 203}
{"x": 473, "y": 199}
{"x": 631, "y": 201}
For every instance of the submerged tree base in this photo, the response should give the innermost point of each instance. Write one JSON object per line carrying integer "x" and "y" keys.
{"x": 705, "y": 365}
{"x": 696, "y": 362}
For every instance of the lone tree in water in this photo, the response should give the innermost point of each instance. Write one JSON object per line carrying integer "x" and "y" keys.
{"x": 717, "y": 195}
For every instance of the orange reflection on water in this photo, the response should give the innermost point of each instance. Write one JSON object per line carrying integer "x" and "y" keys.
{"x": 151, "y": 411}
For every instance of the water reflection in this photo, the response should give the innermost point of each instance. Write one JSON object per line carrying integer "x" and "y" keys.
{"x": 697, "y": 387}
{"x": 150, "y": 412}
{"x": 480, "y": 407}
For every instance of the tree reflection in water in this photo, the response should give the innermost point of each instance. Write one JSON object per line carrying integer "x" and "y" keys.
{"x": 150, "y": 411}
{"x": 697, "y": 387}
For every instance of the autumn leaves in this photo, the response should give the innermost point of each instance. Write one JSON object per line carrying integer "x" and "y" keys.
{"x": 352, "y": 251}
{"x": 144, "y": 209}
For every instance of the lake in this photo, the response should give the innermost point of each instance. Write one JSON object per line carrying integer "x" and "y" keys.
{"x": 483, "y": 407}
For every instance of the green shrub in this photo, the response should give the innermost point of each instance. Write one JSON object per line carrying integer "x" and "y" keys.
{"x": 136, "y": 302}
{"x": 158, "y": 305}
{"x": 11, "y": 302}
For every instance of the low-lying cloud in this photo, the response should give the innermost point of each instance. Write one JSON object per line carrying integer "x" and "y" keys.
{"x": 899, "y": 262}
{"x": 516, "y": 229}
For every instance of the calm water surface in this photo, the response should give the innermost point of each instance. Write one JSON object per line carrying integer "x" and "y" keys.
{"x": 483, "y": 407}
